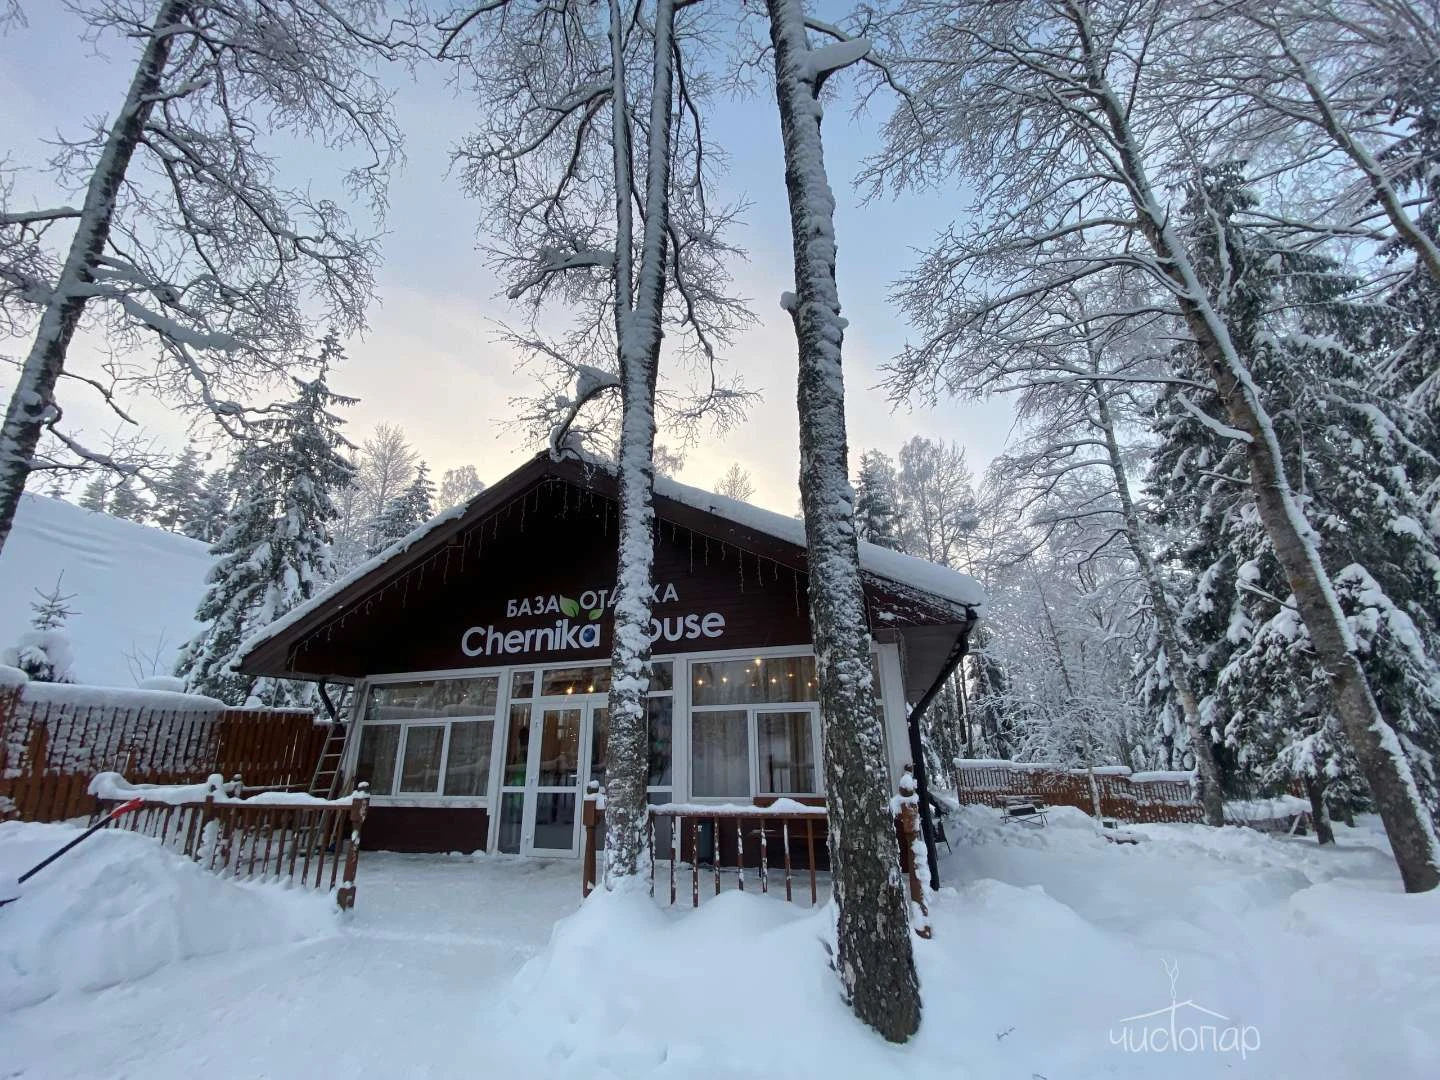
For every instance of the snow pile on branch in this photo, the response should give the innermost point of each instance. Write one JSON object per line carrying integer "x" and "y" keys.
{"x": 120, "y": 907}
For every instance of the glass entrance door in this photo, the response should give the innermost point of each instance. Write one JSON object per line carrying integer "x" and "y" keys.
{"x": 540, "y": 815}
{"x": 553, "y": 793}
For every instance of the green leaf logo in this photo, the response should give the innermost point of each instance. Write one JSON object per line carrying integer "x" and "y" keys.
{"x": 569, "y": 607}
{"x": 596, "y": 613}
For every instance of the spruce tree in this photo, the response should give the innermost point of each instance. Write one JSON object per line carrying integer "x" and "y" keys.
{"x": 127, "y": 503}
{"x": 404, "y": 513}
{"x": 178, "y": 494}
{"x": 43, "y": 652}
{"x": 213, "y": 507}
{"x": 96, "y": 495}
{"x": 877, "y": 516}
{"x": 1361, "y": 473}
{"x": 275, "y": 550}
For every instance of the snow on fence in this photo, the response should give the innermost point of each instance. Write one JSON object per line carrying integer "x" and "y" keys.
{"x": 781, "y": 844}
{"x": 267, "y": 836}
{"x": 1131, "y": 797}
{"x": 55, "y": 737}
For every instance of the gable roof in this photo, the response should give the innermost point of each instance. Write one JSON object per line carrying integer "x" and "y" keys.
{"x": 912, "y": 591}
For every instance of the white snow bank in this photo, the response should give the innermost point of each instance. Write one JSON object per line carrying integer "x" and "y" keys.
{"x": 1239, "y": 811}
{"x": 70, "y": 695}
{"x": 111, "y": 785}
{"x": 135, "y": 588}
{"x": 1163, "y": 777}
{"x": 168, "y": 683}
{"x": 1052, "y": 948}
{"x": 120, "y": 907}
{"x": 12, "y": 676}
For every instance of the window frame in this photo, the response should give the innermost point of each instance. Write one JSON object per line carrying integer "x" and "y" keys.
{"x": 752, "y": 735}
{"x": 437, "y": 797}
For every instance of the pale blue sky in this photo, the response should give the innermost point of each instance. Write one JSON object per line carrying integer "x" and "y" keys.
{"x": 429, "y": 362}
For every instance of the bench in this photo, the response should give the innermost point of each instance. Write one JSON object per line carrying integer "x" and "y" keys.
{"x": 1024, "y": 808}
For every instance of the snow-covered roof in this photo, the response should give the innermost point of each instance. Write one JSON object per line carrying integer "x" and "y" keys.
{"x": 893, "y": 566}
{"x": 905, "y": 570}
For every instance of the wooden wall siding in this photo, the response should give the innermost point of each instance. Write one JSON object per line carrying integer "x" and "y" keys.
{"x": 558, "y": 540}
{"x": 429, "y": 829}
{"x": 49, "y": 751}
{"x": 1136, "y": 802}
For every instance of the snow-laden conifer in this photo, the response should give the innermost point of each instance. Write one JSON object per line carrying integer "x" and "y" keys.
{"x": 274, "y": 552}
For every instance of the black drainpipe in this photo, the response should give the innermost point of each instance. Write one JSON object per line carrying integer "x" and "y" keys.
{"x": 329, "y": 705}
{"x": 917, "y": 750}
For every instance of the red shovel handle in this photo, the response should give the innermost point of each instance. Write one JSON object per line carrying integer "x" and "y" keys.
{"x": 123, "y": 808}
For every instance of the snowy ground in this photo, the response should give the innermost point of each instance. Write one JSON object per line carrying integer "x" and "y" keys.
{"x": 1045, "y": 941}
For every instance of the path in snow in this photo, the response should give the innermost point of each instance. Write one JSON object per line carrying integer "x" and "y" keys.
{"x": 1045, "y": 940}
{"x": 398, "y": 993}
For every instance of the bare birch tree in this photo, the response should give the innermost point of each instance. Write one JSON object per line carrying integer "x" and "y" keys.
{"x": 1076, "y": 380}
{"x": 594, "y": 165}
{"x": 1052, "y": 112}
{"x": 875, "y": 959}
{"x": 186, "y": 245}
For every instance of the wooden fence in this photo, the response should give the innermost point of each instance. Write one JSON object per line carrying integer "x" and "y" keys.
{"x": 54, "y": 738}
{"x": 781, "y": 844}
{"x": 271, "y": 836}
{"x": 1135, "y": 798}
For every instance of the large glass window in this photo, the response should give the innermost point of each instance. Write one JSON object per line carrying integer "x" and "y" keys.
{"x": 575, "y": 680}
{"x": 379, "y": 745}
{"x": 431, "y": 698}
{"x": 761, "y": 680}
{"x": 517, "y": 746}
{"x": 420, "y": 773}
{"x": 429, "y": 737}
{"x": 467, "y": 769}
{"x": 720, "y": 754}
{"x": 786, "y": 746}
{"x": 559, "y": 747}
{"x": 660, "y": 713}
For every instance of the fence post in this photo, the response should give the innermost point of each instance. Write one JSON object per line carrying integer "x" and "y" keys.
{"x": 912, "y": 850}
{"x": 195, "y": 839}
{"x": 588, "y": 816}
{"x": 359, "y": 805}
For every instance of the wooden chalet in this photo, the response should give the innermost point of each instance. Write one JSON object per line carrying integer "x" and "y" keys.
{"x": 478, "y": 652}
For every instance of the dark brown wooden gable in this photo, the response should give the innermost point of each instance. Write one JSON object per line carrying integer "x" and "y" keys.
{"x": 547, "y": 531}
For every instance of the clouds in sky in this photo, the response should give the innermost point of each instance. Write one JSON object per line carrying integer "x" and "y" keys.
{"x": 430, "y": 361}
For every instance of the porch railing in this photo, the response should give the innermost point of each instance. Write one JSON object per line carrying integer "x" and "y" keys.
{"x": 268, "y": 836}
{"x": 748, "y": 844}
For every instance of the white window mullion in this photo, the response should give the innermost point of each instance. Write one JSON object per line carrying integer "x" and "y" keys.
{"x": 755, "y": 750}
{"x": 444, "y": 760}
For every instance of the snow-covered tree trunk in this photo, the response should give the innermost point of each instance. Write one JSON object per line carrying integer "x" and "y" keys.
{"x": 875, "y": 959}
{"x": 1377, "y": 748}
{"x": 1207, "y": 771}
{"x": 638, "y": 331}
{"x": 32, "y": 404}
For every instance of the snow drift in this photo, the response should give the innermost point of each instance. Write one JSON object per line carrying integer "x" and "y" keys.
{"x": 136, "y": 588}
{"x": 120, "y": 907}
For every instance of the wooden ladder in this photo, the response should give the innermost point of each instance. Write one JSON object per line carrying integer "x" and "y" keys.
{"x": 325, "y": 783}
